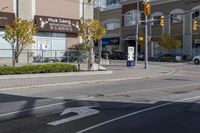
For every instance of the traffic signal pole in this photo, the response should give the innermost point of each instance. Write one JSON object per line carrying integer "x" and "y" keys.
{"x": 147, "y": 10}
{"x": 137, "y": 35}
{"x": 146, "y": 43}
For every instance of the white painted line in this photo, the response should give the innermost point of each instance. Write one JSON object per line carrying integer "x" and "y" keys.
{"x": 41, "y": 107}
{"x": 82, "y": 112}
{"x": 134, "y": 113}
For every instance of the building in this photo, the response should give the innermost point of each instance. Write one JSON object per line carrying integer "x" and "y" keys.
{"x": 179, "y": 18}
{"x": 58, "y": 22}
{"x": 109, "y": 13}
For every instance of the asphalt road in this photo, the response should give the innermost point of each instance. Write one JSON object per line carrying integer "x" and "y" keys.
{"x": 168, "y": 104}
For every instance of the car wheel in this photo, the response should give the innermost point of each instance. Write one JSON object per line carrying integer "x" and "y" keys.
{"x": 196, "y": 61}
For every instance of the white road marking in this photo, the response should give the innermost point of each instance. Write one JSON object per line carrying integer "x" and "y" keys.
{"x": 91, "y": 97}
{"x": 137, "y": 112}
{"x": 41, "y": 107}
{"x": 82, "y": 112}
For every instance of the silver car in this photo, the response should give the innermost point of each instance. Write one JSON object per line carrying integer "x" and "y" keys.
{"x": 196, "y": 60}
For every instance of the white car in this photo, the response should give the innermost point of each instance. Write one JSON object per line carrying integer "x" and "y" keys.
{"x": 196, "y": 60}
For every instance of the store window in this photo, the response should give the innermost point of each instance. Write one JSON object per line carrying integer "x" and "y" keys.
{"x": 156, "y": 17}
{"x": 132, "y": 17}
{"x": 176, "y": 18}
{"x": 112, "y": 26}
{"x": 157, "y": 20}
{"x": 50, "y": 44}
{"x": 5, "y": 47}
{"x": 112, "y": 2}
{"x": 196, "y": 14}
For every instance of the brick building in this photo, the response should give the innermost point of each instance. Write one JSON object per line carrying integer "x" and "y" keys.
{"x": 179, "y": 17}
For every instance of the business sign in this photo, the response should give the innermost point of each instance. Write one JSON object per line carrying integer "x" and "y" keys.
{"x": 111, "y": 41}
{"x": 55, "y": 24}
{"x": 6, "y": 18}
{"x": 131, "y": 53}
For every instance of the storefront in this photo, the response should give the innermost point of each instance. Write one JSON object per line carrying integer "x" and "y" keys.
{"x": 53, "y": 34}
{"x": 5, "y": 19}
{"x": 111, "y": 44}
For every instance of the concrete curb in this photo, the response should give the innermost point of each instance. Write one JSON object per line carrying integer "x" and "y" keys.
{"x": 21, "y": 76}
{"x": 87, "y": 82}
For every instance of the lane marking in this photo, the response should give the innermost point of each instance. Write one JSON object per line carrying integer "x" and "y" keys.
{"x": 92, "y": 97}
{"x": 82, "y": 112}
{"x": 137, "y": 112}
{"x": 40, "y": 107}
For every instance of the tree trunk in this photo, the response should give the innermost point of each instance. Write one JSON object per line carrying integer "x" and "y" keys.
{"x": 13, "y": 57}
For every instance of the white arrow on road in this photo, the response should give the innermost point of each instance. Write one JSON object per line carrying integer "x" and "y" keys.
{"x": 81, "y": 113}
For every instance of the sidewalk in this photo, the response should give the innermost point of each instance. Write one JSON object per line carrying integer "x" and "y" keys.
{"x": 115, "y": 72}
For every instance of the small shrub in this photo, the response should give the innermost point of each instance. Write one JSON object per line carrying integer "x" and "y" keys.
{"x": 33, "y": 69}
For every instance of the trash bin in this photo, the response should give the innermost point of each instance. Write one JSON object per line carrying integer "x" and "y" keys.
{"x": 130, "y": 63}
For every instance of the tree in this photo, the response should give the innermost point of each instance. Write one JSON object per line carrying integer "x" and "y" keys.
{"x": 91, "y": 31}
{"x": 19, "y": 35}
{"x": 169, "y": 42}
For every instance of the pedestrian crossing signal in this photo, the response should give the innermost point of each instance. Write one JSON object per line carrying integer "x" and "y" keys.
{"x": 162, "y": 21}
{"x": 195, "y": 25}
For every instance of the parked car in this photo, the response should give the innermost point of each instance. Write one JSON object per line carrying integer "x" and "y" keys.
{"x": 196, "y": 60}
{"x": 169, "y": 57}
{"x": 104, "y": 54}
{"x": 141, "y": 56}
{"x": 70, "y": 56}
{"x": 117, "y": 55}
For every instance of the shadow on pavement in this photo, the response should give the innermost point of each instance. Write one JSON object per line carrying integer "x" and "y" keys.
{"x": 25, "y": 120}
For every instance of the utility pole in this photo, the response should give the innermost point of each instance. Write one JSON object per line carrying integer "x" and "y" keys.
{"x": 17, "y": 16}
{"x": 147, "y": 12}
{"x": 17, "y": 8}
{"x": 137, "y": 35}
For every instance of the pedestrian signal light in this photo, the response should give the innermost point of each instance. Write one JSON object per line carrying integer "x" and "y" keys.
{"x": 195, "y": 25}
{"x": 162, "y": 20}
{"x": 147, "y": 9}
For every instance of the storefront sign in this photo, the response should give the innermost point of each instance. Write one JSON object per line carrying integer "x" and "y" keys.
{"x": 111, "y": 41}
{"x": 54, "y": 24}
{"x": 6, "y": 18}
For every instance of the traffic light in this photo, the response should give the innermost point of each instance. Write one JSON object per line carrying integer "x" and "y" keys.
{"x": 162, "y": 20}
{"x": 195, "y": 25}
{"x": 147, "y": 9}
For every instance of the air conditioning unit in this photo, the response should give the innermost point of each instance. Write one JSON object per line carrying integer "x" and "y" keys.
{"x": 196, "y": 41}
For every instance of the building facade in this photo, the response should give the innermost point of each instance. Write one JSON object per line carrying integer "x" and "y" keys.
{"x": 179, "y": 18}
{"x": 109, "y": 13}
{"x": 58, "y": 22}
